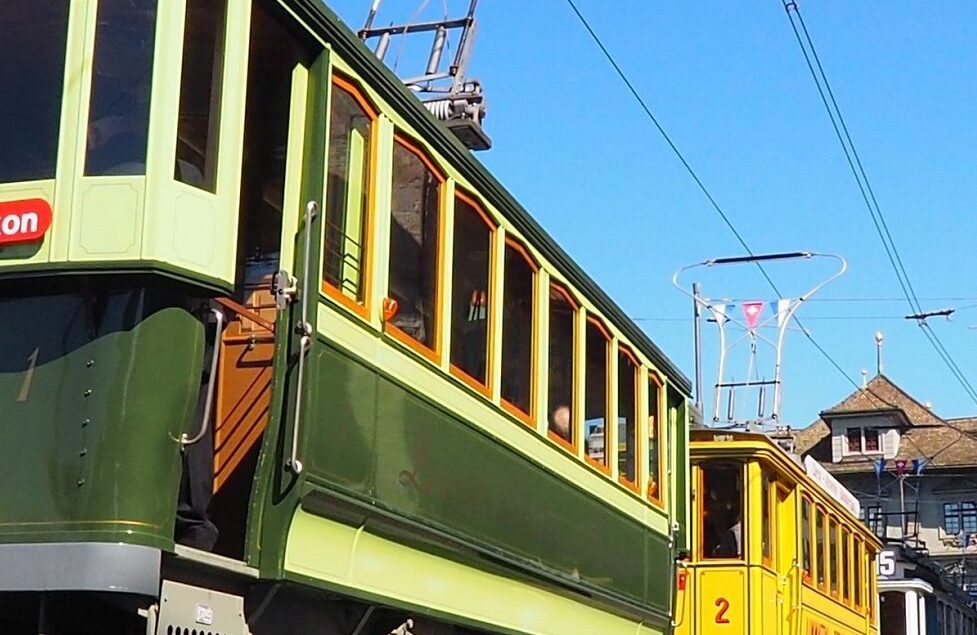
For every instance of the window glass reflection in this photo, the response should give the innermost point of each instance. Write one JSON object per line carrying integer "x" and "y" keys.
{"x": 33, "y": 34}
{"x": 118, "y": 120}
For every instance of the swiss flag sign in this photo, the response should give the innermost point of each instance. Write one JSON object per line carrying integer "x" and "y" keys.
{"x": 751, "y": 312}
{"x": 24, "y": 221}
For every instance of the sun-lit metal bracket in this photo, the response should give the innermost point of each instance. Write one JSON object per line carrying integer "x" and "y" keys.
{"x": 752, "y": 333}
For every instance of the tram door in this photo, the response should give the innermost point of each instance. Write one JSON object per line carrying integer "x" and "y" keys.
{"x": 252, "y": 336}
{"x": 787, "y": 560}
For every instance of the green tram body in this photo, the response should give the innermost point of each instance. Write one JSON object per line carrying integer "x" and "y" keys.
{"x": 419, "y": 495}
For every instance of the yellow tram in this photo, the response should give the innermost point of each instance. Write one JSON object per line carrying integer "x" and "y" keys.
{"x": 772, "y": 550}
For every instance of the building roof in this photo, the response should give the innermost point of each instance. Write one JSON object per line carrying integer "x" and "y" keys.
{"x": 950, "y": 442}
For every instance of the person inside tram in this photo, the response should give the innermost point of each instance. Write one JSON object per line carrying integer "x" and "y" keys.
{"x": 722, "y": 513}
{"x": 560, "y": 422}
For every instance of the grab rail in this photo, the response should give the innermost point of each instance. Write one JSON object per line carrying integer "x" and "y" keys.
{"x": 185, "y": 440}
{"x": 305, "y": 330}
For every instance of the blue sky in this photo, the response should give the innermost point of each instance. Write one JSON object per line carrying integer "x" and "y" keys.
{"x": 729, "y": 84}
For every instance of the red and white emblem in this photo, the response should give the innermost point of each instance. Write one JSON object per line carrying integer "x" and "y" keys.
{"x": 751, "y": 312}
{"x": 24, "y": 221}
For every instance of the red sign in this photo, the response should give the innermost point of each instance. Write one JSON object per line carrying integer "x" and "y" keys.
{"x": 24, "y": 221}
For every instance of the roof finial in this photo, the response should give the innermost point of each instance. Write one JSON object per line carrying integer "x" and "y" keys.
{"x": 864, "y": 378}
{"x": 878, "y": 351}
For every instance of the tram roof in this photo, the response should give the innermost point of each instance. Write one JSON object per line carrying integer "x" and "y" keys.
{"x": 331, "y": 28}
{"x": 738, "y": 444}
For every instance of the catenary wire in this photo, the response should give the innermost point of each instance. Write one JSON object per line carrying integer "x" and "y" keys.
{"x": 868, "y": 194}
{"x": 715, "y": 205}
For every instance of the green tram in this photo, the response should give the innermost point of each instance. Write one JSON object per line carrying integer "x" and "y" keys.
{"x": 278, "y": 355}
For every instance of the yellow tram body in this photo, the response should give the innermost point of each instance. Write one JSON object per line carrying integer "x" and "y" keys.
{"x": 772, "y": 551}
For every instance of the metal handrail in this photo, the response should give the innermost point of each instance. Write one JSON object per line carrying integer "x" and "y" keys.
{"x": 305, "y": 330}
{"x": 185, "y": 440}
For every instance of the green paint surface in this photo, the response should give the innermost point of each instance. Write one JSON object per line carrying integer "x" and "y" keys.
{"x": 97, "y": 379}
{"x": 372, "y": 439}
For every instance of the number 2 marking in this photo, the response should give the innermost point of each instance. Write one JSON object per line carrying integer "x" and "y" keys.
{"x": 26, "y": 388}
{"x": 723, "y": 605}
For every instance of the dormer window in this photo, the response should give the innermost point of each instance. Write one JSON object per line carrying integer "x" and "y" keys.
{"x": 871, "y": 440}
{"x": 863, "y": 440}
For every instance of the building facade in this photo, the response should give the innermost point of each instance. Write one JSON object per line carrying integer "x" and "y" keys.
{"x": 913, "y": 472}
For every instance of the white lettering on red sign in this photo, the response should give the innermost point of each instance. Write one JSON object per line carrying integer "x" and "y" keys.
{"x": 24, "y": 221}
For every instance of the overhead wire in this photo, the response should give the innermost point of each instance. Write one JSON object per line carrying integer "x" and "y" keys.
{"x": 812, "y": 59}
{"x": 698, "y": 181}
{"x": 715, "y": 205}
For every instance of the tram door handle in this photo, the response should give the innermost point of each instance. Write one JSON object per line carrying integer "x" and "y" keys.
{"x": 284, "y": 287}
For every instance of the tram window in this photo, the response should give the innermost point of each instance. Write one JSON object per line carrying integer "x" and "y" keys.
{"x": 846, "y": 565}
{"x": 833, "y": 557}
{"x": 596, "y": 448}
{"x": 471, "y": 293}
{"x": 415, "y": 209}
{"x": 766, "y": 519}
{"x": 627, "y": 417}
{"x": 200, "y": 94}
{"x": 857, "y": 571}
{"x": 655, "y": 428}
{"x": 806, "y": 538}
{"x": 32, "y": 77}
{"x": 819, "y": 529}
{"x": 518, "y": 310}
{"x": 352, "y": 122}
{"x": 722, "y": 510}
{"x": 118, "y": 119}
{"x": 562, "y": 360}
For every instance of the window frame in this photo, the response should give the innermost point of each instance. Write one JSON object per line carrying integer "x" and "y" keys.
{"x": 878, "y": 441}
{"x": 743, "y": 516}
{"x": 573, "y": 445}
{"x": 821, "y": 563}
{"x": 610, "y": 454}
{"x": 435, "y": 353}
{"x": 635, "y": 486}
{"x": 857, "y": 559}
{"x": 768, "y": 508}
{"x": 362, "y": 309}
{"x": 845, "y": 562}
{"x": 456, "y": 371}
{"x": 807, "y": 538}
{"x": 528, "y": 418}
{"x": 834, "y": 562}
{"x": 960, "y": 516}
{"x": 658, "y": 499}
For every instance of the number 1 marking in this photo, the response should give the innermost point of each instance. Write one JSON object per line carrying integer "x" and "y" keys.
{"x": 26, "y": 388}
{"x": 723, "y": 605}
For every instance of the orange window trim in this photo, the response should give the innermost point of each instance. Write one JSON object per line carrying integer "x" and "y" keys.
{"x": 517, "y": 412}
{"x": 527, "y": 418}
{"x": 355, "y": 92}
{"x": 638, "y": 454}
{"x": 560, "y": 289}
{"x": 659, "y": 498}
{"x": 478, "y": 207}
{"x": 485, "y": 388}
{"x": 433, "y": 354}
{"x": 571, "y": 445}
{"x": 605, "y": 466}
{"x": 362, "y": 309}
{"x": 422, "y": 155}
{"x": 515, "y": 244}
